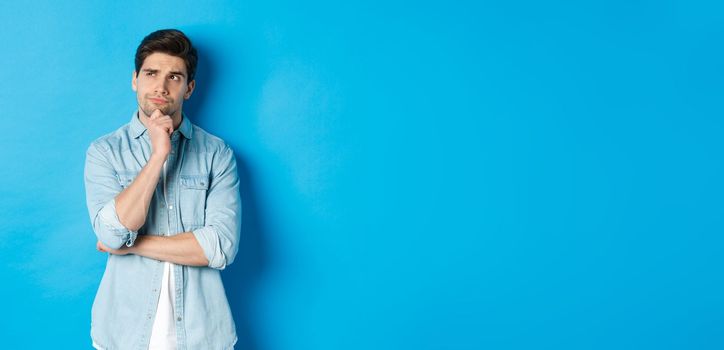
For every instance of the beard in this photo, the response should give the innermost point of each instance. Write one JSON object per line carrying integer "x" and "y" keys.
{"x": 149, "y": 107}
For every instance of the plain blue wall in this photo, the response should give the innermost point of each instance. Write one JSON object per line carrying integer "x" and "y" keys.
{"x": 510, "y": 175}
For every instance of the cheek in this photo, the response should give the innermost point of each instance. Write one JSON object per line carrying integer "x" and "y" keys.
{"x": 179, "y": 96}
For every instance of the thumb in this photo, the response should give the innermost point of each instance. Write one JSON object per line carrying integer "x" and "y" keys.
{"x": 156, "y": 113}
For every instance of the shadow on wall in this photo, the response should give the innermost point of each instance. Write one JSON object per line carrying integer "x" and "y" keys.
{"x": 240, "y": 278}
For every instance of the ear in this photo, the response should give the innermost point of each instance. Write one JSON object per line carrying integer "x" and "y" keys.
{"x": 133, "y": 82}
{"x": 191, "y": 86}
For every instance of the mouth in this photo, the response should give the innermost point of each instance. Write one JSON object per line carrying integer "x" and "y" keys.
{"x": 158, "y": 101}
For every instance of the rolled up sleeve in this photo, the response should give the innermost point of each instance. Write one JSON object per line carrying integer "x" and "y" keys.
{"x": 220, "y": 236}
{"x": 101, "y": 188}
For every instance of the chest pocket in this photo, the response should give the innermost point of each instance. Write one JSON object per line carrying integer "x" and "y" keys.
{"x": 193, "y": 190}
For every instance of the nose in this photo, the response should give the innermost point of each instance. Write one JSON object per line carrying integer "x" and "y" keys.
{"x": 161, "y": 87}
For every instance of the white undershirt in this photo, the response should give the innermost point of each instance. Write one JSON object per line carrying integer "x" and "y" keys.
{"x": 163, "y": 334}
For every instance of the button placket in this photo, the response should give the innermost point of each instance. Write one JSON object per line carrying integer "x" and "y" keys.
{"x": 171, "y": 164}
{"x": 171, "y": 212}
{"x": 172, "y": 180}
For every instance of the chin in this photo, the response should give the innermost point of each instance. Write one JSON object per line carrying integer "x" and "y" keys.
{"x": 150, "y": 108}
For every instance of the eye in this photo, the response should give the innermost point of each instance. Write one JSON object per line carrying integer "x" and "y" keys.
{"x": 174, "y": 77}
{"x": 150, "y": 74}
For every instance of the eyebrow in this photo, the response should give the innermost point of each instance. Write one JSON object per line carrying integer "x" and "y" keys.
{"x": 150, "y": 70}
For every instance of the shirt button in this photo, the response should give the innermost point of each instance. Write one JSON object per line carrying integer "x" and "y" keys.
{"x": 178, "y": 319}
{"x": 170, "y": 207}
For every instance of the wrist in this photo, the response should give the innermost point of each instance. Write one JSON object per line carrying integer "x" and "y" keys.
{"x": 158, "y": 157}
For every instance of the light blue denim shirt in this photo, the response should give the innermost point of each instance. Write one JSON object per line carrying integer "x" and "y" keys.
{"x": 198, "y": 192}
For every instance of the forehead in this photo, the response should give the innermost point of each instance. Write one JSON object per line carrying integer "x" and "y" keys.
{"x": 164, "y": 62}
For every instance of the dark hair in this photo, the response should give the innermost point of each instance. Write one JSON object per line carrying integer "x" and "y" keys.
{"x": 169, "y": 41}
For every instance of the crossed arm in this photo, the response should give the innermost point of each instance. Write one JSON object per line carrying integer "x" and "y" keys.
{"x": 118, "y": 213}
{"x": 181, "y": 249}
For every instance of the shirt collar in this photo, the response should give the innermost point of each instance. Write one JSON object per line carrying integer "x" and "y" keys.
{"x": 137, "y": 128}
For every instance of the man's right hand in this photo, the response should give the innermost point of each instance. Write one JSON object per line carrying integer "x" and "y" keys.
{"x": 160, "y": 128}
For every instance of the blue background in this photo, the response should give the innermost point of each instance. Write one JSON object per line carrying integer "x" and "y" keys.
{"x": 416, "y": 175}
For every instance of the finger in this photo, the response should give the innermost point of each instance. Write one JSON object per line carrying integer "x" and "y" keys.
{"x": 165, "y": 121}
{"x": 168, "y": 126}
{"x": 162, "y": 121}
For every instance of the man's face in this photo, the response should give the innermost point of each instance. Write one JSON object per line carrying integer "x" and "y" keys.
{"x": 162, "y": 83}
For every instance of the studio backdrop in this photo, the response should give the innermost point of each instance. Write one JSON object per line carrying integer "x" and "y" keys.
{"x": 414, "y": 175}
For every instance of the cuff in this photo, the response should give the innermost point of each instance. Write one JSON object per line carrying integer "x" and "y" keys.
{"x": 109, "y": 218}
{"x": 209, "y": 241}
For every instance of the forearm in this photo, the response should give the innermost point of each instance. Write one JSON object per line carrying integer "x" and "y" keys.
{"x": 133, "y": 202}
{"x": 182, "y": 249}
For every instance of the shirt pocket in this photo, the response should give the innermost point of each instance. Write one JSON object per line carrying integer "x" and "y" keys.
{"x": 193, "y": 190}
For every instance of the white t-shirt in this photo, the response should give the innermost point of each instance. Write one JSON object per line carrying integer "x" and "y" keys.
{"x": 163, "y": 334}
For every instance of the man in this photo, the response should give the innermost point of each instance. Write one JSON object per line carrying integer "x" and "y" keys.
{"x": 163, "y": 198}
